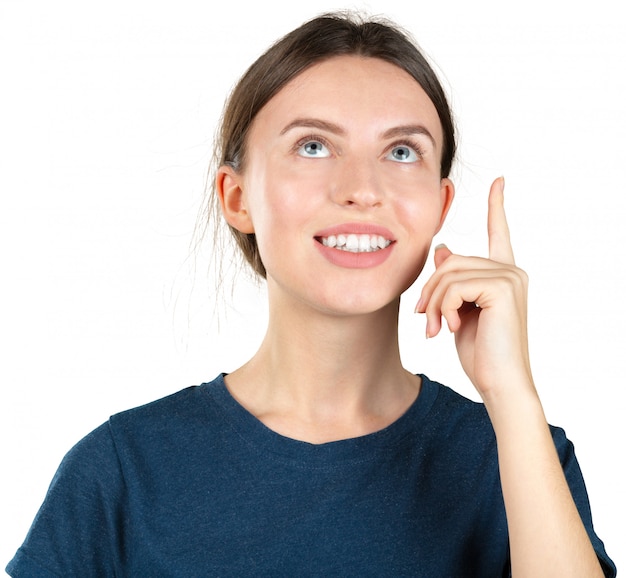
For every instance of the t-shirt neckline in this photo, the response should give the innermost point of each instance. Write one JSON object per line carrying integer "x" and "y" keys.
{"x": 261, "y": 438}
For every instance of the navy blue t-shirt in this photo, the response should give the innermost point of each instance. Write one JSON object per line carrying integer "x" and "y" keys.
{"x": 194, "y": 485}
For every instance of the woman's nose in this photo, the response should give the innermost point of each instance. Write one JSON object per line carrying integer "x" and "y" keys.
{"x": 357, "y": 183}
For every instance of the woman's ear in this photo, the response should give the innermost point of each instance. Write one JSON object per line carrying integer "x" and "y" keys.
{"x": 230, "y": 191}
{"x": 446, "y": 193}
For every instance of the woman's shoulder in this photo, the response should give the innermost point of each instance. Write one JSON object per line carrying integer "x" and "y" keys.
{"x": 455, "y": 412}
{"x": 448, "y": 401}
{"x": 182, "y": 405}
{"x": 171, "y": 417}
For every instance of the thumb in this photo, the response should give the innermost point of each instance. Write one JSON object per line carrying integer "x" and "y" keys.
{"x": 441, "y": 254}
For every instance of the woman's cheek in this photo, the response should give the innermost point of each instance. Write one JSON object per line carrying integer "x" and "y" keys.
{"x": 419, "y": 211}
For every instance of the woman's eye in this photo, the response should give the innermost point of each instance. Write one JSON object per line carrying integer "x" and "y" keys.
{"x": 313, "y": 149}
{"x": 403, "y": 154}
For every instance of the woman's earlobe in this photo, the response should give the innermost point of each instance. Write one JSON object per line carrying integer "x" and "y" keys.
{"x": 230, "y": 191}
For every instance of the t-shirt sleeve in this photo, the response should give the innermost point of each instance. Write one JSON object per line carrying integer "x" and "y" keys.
{"x": 576, "y": 483}
{"x": 79, "y": 528}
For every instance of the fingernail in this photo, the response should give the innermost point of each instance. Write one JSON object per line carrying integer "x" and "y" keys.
{"x": 440, "y": 246}
{"x": 418, "y": 306}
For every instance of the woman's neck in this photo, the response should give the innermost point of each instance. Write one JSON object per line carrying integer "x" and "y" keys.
{"x": 320, "y": 377}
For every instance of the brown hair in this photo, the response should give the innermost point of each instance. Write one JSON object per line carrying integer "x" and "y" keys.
{"x": 323, "y": 37}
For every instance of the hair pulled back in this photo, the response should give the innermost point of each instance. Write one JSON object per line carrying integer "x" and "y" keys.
{"x": 326, "y": 36}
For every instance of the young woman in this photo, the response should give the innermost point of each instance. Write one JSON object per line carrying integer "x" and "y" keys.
{"x": 322, "y": 455}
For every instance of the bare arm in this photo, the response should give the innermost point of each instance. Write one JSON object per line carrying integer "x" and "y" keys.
{"x": 484, "y": 304}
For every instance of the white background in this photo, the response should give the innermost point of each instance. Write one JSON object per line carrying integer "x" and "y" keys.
{"x": 107, "y": 112}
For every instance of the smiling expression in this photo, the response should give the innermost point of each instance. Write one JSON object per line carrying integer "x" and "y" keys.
{"x": 342, "y": 185}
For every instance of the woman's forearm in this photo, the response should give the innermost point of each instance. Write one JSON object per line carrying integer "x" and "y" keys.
{"x": 547, "y": 535}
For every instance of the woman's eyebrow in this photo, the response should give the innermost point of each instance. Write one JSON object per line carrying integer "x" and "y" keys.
{"x": 394, "y": 132}
{"x": 314, "y": 123}
{"x": 409, "y": 130}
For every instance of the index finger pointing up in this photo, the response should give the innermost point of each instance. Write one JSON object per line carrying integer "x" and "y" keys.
{"x": 500, "y": 249}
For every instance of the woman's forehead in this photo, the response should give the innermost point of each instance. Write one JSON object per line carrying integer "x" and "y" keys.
{"x": 346, "y": 89}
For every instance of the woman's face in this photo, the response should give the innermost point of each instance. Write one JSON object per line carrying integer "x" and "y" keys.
{"x": 342, "y": 185}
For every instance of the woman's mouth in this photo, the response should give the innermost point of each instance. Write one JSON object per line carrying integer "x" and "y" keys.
{"x": 354, "y": 243}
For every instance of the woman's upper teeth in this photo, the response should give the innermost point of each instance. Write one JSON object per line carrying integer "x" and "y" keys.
{"x": 356, "y": 243}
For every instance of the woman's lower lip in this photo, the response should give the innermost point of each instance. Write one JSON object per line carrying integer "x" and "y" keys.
{"x": 352, "y": 260}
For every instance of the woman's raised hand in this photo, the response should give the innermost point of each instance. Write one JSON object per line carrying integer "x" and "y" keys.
{"x": 484, "y": 302}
